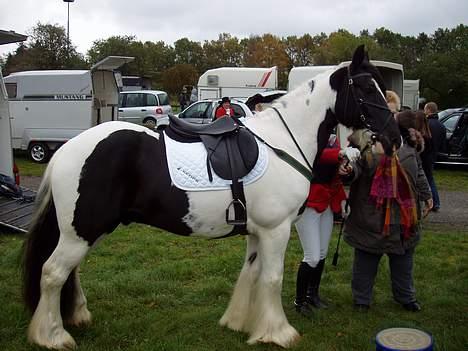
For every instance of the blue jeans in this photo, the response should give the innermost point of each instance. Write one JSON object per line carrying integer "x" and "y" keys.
{"x": 432, "y": 184}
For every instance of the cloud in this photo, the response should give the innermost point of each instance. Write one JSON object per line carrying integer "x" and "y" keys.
{"x": 204, "y": 20}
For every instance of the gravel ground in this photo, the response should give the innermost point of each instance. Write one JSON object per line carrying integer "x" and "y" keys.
{"x": 453, "y": 210}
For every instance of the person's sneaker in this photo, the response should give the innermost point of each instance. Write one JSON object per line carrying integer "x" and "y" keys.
{"x": 435, "y": 209}
{"x": 360, "y": 307}
{"x": 304, "y": 309}
{"x": 412, "y": 306}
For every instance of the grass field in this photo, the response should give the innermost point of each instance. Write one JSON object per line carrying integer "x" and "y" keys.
{"x": 149, "y": 290}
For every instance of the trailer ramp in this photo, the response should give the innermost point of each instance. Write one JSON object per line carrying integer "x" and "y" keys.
{"x": 17, "y": 214}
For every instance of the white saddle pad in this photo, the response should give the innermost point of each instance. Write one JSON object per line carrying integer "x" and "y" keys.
{"x": 187, "y": 166}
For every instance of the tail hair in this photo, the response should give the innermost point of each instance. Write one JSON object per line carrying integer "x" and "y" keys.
{"x": 41, "y": 241}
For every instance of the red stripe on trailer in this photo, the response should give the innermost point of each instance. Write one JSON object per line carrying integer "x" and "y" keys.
{"x": 265, "y": 79}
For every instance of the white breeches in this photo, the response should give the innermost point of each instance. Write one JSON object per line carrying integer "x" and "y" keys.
{"x": 314, "y": 230}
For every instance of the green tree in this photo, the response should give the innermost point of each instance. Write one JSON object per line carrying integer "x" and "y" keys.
{"x": 268, "y": 51}
{"x": 174, "y": 78}
{"x": 226, "y": 51}
{"x": 46, "y": 48}
{"x": 189, "y": 52}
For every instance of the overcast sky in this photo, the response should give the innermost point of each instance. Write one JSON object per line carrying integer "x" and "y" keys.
{"x": 201, "y": 20}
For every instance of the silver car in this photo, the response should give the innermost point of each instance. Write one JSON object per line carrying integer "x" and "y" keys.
{"x": 203, "y": 111}
{"x": 146, "y": 107}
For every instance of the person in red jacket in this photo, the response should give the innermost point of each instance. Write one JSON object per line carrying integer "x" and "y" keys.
{"x": 224, "y": 108}
{"x": 315, "y": 226}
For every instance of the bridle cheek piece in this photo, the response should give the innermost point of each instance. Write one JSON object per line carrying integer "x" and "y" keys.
{"x": 363, "y": 105}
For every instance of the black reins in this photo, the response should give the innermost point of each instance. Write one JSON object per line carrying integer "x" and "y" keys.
{"x": 360, "y": 103}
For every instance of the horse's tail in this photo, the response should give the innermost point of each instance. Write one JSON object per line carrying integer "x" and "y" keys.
{"x": 41, "y": 241}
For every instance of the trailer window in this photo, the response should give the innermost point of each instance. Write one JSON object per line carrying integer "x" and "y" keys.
{"x": 163, "y": 99}
{"x": 135, "y": 100}
{"x": 151, "y": 100}
{"x": 11, "y": 90}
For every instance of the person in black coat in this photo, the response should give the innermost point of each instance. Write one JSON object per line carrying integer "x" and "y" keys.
{"x": 437, "y": 143}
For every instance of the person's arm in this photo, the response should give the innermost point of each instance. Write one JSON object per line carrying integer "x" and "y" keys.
{"x": 219, "y": 112}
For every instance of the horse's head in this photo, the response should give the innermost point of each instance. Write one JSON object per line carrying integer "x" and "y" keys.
{"x": 360, "y": 101}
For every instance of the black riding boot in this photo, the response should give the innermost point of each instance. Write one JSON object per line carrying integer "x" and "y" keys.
{"x": 313, "y": 297}
{"x": 304, "y": 275}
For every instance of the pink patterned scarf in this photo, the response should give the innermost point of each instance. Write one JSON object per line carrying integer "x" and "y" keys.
{"x": 391, "y": 191}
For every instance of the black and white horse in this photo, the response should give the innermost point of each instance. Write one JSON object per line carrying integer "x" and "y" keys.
{"x": 118, "y": 173}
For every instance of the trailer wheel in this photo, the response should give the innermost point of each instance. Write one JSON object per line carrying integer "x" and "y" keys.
{"x": 39, "y": 152}
{"x": 150, "y": 123}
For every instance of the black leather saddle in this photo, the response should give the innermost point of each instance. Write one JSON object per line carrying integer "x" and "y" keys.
{"x": 232, "y": 153}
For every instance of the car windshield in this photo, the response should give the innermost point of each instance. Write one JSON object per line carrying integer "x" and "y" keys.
{"x": 163, "y": 99}
{"x": 445, "y": 113}
{"x": 451, "y": 122}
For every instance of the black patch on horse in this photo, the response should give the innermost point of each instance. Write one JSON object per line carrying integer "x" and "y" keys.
{"x": 312, "y": 85}
{"x": 126, "y": 179}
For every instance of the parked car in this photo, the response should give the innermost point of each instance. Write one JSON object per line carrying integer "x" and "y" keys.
{"x": 444, "y": 113}
{"x": 456, "y": 150}
{"x": 146, "y": 107}
{"x": 203, "y": 112}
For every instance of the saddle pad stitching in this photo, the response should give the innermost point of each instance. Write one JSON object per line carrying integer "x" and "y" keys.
{"x": 187, "y": 167}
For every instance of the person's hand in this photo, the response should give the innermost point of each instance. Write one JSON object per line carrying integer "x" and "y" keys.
{"x": 345, "y": 169}
{"x": 351, "y": 153}
{"x": 428, "y": 207}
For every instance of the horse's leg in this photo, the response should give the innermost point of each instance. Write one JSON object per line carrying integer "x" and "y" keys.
{"x": 267, "y": 320}
{"x": 46, "y": 327}
{"x": 237, "y": 311}
{"x": 80, "y": 315}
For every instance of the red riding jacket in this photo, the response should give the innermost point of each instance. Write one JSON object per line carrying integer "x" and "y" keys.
{"x": 327, "y": 190}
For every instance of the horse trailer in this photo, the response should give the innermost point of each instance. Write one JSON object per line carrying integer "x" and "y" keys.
{"x": 411, "y": 94}
{"x": 6, "y": 151}
{"x": 236, "y": 82}
{"x": 50, "y": 107}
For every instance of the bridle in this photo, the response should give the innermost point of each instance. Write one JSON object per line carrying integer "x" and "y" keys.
{"x": 364, "y": 105}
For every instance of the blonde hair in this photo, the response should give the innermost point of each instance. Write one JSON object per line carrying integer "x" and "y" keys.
{"x": 393, "y": 101}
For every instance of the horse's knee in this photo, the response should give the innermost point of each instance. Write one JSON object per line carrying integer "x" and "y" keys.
{"x": 53, "y": 276}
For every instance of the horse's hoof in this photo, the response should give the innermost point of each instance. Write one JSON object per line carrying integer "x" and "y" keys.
{"x": 286, "y": 337}
{"x": 80, "y": 319}
{"x": 62, "y": 340}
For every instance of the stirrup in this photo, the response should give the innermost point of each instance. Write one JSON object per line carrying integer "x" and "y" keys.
{"x": 236, "y": 221}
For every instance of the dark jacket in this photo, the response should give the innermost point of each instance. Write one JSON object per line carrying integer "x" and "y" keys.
{"x": 364, "y": 225}
{"x": 439, "y": 135}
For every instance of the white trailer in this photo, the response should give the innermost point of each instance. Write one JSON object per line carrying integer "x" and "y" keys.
{"x": 236, "y": 82}
{"x": 392, "y": 74}
{"x": 50, "y": 107}
{"x": 6, "y": 152}
{"x": 411, "y": 94}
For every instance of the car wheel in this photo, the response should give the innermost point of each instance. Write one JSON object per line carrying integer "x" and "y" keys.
{"x": 150, "y": 123}
{"x": 39, "y": 152}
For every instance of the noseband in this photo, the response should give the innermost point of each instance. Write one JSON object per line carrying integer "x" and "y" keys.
{"x": 360, "y": 103}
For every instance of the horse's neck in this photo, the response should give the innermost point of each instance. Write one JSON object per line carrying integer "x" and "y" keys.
{"x": 303, "y": 110}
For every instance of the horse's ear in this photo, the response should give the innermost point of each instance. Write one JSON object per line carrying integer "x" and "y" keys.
{"x": 359, "y": 56}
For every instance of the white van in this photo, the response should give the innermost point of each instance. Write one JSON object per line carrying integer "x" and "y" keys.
{"x": 50, "y": 107}
{"x": 236, "y": 82}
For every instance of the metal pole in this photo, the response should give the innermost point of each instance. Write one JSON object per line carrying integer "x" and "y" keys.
{"x": 68, "y": 30}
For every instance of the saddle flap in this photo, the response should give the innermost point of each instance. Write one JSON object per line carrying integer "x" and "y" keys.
{"x": 232, "y": 156}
